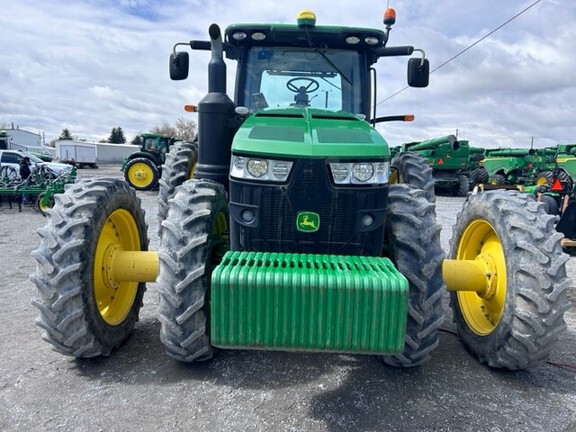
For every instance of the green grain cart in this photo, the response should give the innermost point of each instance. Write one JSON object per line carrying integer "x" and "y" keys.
{"x": 292, "y": 228}
{"x": 455, "y": 165}
{"x": 517, "y": 166}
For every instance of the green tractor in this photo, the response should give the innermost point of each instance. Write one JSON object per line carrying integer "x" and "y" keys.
{"x": 517, "y": 166}
{"x": 142, "y": 169}
{"x": 290, "y": 227}
{"x": 455, "y": 165}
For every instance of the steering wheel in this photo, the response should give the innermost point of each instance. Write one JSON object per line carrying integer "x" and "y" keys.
{"x": 310, "y": 88}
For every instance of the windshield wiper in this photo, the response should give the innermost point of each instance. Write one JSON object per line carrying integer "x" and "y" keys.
{"x": 331, "y": 63}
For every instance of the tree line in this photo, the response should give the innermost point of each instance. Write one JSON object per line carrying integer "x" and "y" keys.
{"x": 184, "y": 129}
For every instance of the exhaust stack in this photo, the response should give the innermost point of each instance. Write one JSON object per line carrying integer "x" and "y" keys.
{"x": 215, "y": 118}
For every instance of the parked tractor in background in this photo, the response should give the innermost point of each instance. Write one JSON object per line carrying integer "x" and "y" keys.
{"x": 295, "y": 230}
{"x": 142, "y": 169}
{"x": 5, "y": 140}
{"x": 455, "y": 165}
{"x": 517, "y": 166}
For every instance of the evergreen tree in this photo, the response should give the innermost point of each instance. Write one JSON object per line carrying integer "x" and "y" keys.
{"x": 65, "y": 135}
{"x": 117, "y": 136}
{"x": 137, "y": 141}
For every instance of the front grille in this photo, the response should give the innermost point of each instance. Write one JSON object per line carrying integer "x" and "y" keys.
{"x": 309, "y": 190}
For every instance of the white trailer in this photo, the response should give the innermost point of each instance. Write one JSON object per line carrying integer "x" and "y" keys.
{"x": 77, "y": 153}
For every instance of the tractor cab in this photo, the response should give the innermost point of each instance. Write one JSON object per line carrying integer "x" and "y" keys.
{"x": 276, "y": 77}
{"x": 304, "y": 65}
{"x": 156, "y": 143}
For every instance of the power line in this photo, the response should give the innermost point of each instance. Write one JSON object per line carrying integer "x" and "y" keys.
{"x": 468, "y": 47}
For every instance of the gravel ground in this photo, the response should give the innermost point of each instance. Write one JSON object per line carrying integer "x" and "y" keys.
{"x": 140, "y": 388}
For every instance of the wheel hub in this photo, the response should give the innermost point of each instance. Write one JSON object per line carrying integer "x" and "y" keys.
{"x": 140, "y": 174}
{"x": 478, "y": 275}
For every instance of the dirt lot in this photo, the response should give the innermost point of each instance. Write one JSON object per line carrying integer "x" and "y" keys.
{"x": 140, "y": 388}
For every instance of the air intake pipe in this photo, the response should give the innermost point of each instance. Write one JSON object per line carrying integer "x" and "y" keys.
{"x": 216, "y": 115}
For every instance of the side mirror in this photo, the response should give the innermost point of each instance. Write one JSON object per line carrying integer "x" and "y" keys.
{"x": 179, "y": 64}
{"x": 418, "y": 72}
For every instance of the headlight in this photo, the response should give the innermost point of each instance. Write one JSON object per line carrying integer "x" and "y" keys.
{"x": 257, "y": 167}
{"x": 363, "y": 171}
{"x": 260, "y": 169}
{"x": 367, "y": 173}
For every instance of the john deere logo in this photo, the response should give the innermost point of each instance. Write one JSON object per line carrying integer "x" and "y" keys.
{"x": 308, "y": 222}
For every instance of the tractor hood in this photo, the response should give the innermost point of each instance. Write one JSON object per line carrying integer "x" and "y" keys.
{"x": 309, "y": 132}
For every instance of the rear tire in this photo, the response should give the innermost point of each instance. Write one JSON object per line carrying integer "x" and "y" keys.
{"x": 81, "y": 314}
{"x": 179, "y": 166}
{"x": 463, "y": 185}
{"x": 544, "y": 178}
{"x": 550, "y": 205}
{"x": 498, "y": 180}
{"x": 142, "y": 174}
{"x": 478, "y": 176}
{"x": 412, "y": 168}
{"x": 413, "y": 244}
{"x": 193, "y": 242}
{"x": 515, "y": 324}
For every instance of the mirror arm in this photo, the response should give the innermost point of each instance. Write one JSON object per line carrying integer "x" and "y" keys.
{"x": 423, "y": 55}
{"x": 178, "y": 44}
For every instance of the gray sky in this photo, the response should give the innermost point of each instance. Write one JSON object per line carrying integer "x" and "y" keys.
{"x": 93, "y": 65}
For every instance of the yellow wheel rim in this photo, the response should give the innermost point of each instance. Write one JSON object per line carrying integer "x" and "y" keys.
{"x": 114, "y": 299}
{"x": 44, "y": 207}
{"x": 140, "y": 174}
{"x": 220, "y": 233}
{"x": 192, "y": 171}
{"x": 541, "y": 181}
{"x": 44, "y": 204}
{"x": 483, "y": 311}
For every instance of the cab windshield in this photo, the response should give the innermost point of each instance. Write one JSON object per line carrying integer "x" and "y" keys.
{"x": 307, "y": 77}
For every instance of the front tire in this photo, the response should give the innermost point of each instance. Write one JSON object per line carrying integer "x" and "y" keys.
{"x": 412, "y": 168}
{"x": 515, "y": 324}
{"x": 142, "y": 174}
{"x": 81, "y": 312}
{"x": 195, "y": 237}
{"x": 413, "y": 244}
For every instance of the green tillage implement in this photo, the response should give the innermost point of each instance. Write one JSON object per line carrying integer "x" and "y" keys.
{"x": 41, "y": 186}
{"x": 308, "y": 302}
